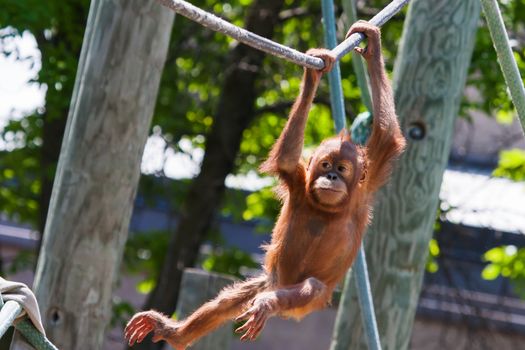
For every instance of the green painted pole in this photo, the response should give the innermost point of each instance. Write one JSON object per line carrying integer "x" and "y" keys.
{"x": 334, "y": 77}
{"x": 338, "y": 113}
{"x": 33, "y": 336}
{"x": 357, "y": 61}
{"x": 506, "y": 59}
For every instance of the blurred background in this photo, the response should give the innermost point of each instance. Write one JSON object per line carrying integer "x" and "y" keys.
{"x": 474, "y": 285}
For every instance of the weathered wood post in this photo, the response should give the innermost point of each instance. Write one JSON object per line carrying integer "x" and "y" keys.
{"x": 197, "y": 287}
{"x": 123, "y": 54}
{"x": 429, "y": 78}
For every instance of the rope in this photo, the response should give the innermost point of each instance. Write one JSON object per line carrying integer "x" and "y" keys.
{"x": 33, "y": 336}
{"x": 244, "y": 36}
{"x": 506, "y": 59}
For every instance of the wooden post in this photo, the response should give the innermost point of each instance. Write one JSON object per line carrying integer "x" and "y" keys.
{"x": 429, "y": 78}
{"x": 122, "y": 58}
{"x": 197, "y": 288}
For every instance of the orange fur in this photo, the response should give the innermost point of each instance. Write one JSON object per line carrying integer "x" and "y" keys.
{"x": 326, "y": 208}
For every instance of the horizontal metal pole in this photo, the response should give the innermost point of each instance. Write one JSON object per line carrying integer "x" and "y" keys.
{"x": 244, "y": 36}
{"x": 381, "y": 18}
{"x": 8, "y": 314}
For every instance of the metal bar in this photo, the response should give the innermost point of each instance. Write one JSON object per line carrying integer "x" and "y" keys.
{"x": 244, "y": 36}
{"x": 334, "y": 77}
{"x": 9, "y": 312}
{"x": 506, "y": 59}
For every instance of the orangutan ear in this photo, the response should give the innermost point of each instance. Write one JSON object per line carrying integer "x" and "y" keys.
{"x": 344, "y": 135}
{"x": 364, "y": 172}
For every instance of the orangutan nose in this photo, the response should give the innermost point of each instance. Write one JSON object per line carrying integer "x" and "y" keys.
{"x": 331, "y": 176}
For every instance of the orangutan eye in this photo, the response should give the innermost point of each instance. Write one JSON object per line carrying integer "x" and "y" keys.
{"x": 325, "y": 165}
{"x": 341, "y": 168}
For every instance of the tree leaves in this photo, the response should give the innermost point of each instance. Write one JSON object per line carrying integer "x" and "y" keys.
{"x": 509, "y": 262}
{"x": 511, "y": 165}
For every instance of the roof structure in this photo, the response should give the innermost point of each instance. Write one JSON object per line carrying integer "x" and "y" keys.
{"x": 20, "y": 236}
{"x": 476, "y": 199}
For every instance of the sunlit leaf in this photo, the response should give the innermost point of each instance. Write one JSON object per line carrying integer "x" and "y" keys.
{"x": 511, "y": 165}
{"x": 146, "y": 286}
{"x": 432, "y": 267}
{"x": 491, "y": 272}
{"x": 433, "y": 247}
{"x": 505, "y": 116}
{"x": 495, "y": 255}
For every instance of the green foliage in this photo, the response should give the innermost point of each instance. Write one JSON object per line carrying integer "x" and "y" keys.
{"x": 505, "y": 116}
{"x": 433, "y": 245}
{"x": 433, "y": 250}
{"x": 509, "y": 262}
{"x": 18, "y": 189}
{"x": 144, "y": 254}
{"x": 155, "y": 189}
{"x": 58, "y": 28}
{"x": 262, "y": 204}
{"x": 485, "y": 73}
{"x": 193, "y": 73}
{"x": 511, "y": 165}
{"x": 191, "y": 82}
{"x": 234, "y": 204}
{"x": 121, "y": 312}
{"x": 256, "y": 204}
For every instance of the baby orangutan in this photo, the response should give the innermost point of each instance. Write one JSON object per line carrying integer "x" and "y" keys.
{"x": 326, "y": 208}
